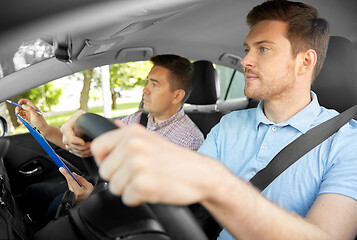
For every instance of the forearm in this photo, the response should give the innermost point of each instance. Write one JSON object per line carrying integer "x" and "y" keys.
{"x": 52, "y": 134}
{"x": 247, "y": 214}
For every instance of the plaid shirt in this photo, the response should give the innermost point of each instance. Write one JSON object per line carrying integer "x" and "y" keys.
{"x": 179, "y": 129}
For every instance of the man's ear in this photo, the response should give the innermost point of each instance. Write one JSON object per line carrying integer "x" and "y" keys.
{"x": 307, "y": 61}
{"x": 179, "y": 94}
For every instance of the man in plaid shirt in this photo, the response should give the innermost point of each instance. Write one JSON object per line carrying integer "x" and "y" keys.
{"x": 169, "y": 85}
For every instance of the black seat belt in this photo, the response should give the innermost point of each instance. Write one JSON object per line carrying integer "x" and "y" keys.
{"x": 299, "y": 147}
{"x": 144, "y": 118}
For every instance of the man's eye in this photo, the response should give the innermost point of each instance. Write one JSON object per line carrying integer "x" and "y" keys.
{"x": 264, "y": 49}
{"x": 246, "y": 51}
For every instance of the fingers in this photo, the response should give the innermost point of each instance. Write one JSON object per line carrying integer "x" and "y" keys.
{"x": 26, "y": 105}
{"x": 24, "y": 101}
{"x": 113, "y": 155}
{"x": 77, "y": 146}
{"x": 67, "y": 127}
{"x": 101, "y": 147}
{"x": 135, "y": 189}
{"x": 31, "y": 110}
{"x": 68, "y": 139}
{"x": 28, "y": 112}
{"x": 19, "y": 110}
{"x": 120, "y": 175}
{"x": 80, "y": 150}
{"x": 73, "y": 143}
{"x": 121, "y": 156}
{"x": 80, "y": 192}
{"x": 72, "y": 184}
{"x": 27, "y": 102}
{"x": 133, "y": 195}
{"x": 144, "y": 167}
{"x": 83, "y": 181}
{"x": 116, "y": 139}
{"x": 119, "y": 123}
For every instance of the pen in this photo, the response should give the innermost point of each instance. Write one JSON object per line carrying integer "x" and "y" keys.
{"x": 18, "y": 105}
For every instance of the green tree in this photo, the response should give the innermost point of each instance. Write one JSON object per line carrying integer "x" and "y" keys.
{"x": 127, "y": 75}
{"x": 122, "y": 76}
{"x": 44, "y": 97}
{"x": 84, "y": 97}
{"x": 88, "y": 76}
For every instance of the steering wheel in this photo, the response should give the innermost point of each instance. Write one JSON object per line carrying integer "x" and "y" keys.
{"x": 103, "y": 215}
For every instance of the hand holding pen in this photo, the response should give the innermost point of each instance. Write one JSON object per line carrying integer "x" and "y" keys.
{"x": 20, "y": 106}
{"x": 27, "y": 110}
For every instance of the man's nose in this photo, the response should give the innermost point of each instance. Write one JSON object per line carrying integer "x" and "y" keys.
{"x": 248, "y": 61}
{"x": 146, "y": 89}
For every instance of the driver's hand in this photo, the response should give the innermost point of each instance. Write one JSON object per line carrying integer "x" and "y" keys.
{"x": 80, "y": 192}
{"x": 28, "y": 112}
{"x": 73, "y": 143}
{"x": 144, "y": 167}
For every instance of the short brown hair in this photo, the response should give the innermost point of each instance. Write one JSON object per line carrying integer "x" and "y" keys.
{"x": 181, "y": 72}
{"x": 306, "y": 30}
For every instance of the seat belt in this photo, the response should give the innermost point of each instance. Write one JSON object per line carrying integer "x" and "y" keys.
{"x": 144, "y": 118}
{"x": 299, "y": 147}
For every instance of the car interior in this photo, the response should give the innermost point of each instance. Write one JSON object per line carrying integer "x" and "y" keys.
{"x": 205, "y": 93}
{"x": 92, "y": 33}
{"x": 340, "y": 64}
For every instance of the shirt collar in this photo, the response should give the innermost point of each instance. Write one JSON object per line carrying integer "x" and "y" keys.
{"x": 174, "y": 117}
{"x": 302, "y": 121}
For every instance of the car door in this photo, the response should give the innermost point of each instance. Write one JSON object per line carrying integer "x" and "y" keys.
{"x": 26, "y": 162}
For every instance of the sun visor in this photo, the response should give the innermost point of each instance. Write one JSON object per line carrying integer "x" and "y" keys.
{"x": 135, "y": 54}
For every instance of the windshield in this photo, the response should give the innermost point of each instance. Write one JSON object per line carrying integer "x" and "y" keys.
{"x": 28, "y": 53}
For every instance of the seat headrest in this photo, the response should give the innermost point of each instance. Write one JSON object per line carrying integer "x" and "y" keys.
{"x": 336, "y": 84}
{"x": 206, "y": 88}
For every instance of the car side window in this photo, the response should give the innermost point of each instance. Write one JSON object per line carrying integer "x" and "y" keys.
{"x": 231, "y": 83}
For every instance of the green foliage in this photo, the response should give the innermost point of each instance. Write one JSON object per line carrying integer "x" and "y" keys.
{"x": 58, "y": 119}
{"x": 44, "y": 97}
{"x": 129, "y": 75}
{"x": 123, "y": 76}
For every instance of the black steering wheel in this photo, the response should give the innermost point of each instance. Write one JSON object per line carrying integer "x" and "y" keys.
{"x": 103, "y": 215}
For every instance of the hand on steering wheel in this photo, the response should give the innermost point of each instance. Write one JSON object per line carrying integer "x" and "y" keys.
{"x": 178, "y": 221}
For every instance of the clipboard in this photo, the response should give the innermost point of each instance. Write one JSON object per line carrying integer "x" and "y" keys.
{"x": 46, "y": 146}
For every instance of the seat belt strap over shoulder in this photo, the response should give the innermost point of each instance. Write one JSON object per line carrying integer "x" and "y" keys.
{"x": 144, "y": 118}
{"x": 299, "y": 147}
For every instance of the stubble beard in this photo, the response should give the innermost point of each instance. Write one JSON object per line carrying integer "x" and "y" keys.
{"x": 275, "y": 88}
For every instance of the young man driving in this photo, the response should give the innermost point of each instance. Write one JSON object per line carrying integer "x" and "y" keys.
{"x": 313, "y": 199}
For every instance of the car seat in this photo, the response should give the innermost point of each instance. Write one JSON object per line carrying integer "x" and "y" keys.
{"x": 203, "y": 98}
{"x": 336, "y": 84}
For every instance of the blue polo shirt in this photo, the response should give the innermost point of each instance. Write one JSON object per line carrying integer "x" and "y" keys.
{"x": 246, "y": 141}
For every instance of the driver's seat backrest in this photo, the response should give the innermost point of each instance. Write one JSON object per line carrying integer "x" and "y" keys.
{"x": 336, "y": 84}
{"x": 203, "y": 99}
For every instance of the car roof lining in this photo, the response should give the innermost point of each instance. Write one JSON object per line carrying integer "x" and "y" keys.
{"x": 216, "y": 36}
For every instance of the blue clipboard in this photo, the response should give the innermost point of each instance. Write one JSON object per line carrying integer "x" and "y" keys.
{"x": 46, "y": 146}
